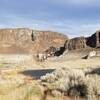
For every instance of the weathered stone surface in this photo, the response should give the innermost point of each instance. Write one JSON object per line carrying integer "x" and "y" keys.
{"x": 50, "y": 51}
{"x": 24, "y": 40}
{"x": 91, "y": 54}
{"x": 15, "y": 40}
{"x": 12, "y": 36}
{"x": 47, "y": 39}
{"x": 75, "y": 43}
{"x": 84, "y": 42}
{"x": 94, "y": 40}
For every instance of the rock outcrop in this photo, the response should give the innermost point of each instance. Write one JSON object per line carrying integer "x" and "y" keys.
{"x": 83, "y": 42}
{"x": 75, "y": 43}
{"x": 47, "y": 39}
{"x": 15, "y": 40}
{"x": 91, "y": 54}
{"x": 24, "y": 40}
{"x": 94, "y": 40}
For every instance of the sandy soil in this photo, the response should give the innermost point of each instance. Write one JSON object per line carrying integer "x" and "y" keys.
{"x": 72, "y": 60}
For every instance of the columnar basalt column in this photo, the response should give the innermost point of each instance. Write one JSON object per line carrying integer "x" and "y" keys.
{"x": 97, "y": 38}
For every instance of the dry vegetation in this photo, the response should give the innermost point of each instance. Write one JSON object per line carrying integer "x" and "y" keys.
{"x": 73, "y": 82}
{"x": 73, "y": 79}
{"x": 15, "y": 86}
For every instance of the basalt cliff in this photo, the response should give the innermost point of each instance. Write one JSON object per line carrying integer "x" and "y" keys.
{"x": 24, "y": 40}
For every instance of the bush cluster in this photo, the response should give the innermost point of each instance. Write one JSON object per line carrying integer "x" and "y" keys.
{"x": 74, "y": 82}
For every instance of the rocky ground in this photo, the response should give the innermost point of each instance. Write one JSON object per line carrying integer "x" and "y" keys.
{"x": 72, "y": 59}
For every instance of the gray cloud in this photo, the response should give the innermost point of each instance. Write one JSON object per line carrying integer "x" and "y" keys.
{"x": 67, "y": 27}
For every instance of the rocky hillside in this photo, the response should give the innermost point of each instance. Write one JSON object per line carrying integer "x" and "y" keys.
{"x": 23, "y": 40}
{"x": 45, "y": 39}
{"x": 75, "y": 43}
{"x": 92, "y": 41}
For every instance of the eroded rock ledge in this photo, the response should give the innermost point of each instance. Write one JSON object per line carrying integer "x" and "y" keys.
{"x": 24, "y": 40}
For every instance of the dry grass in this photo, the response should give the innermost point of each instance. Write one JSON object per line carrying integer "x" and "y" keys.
{"x": 15, "y": 86}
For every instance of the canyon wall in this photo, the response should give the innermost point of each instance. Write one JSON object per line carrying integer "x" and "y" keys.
{"x": 24, "y": 40}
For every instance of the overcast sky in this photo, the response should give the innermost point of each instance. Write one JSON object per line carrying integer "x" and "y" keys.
{"x": 71, "y": 17}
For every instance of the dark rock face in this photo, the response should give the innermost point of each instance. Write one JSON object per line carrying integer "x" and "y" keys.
{"x": 82, "y": 42}
{"x": 50, "y": 51}
{"x": 60, "y": 51}
{"x": 53, "y": 51}
{"x": 94, "y": 40}
{"x": 75, "y": 43}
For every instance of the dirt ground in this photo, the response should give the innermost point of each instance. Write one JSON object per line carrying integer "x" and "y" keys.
{"x": 73, "y": 60}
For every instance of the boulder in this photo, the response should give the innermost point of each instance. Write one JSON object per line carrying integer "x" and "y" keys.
{"x": 50, "y": 51}
{"x": 53, "y": 51}
{"x": 41, "y": 57}
{"x": 91, "y": 54}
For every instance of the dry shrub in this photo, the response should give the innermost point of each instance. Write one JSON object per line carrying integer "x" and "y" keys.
{"x": 74, "y": 82}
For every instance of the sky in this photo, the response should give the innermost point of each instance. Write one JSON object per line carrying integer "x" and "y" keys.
{"x": 71, "y": 17}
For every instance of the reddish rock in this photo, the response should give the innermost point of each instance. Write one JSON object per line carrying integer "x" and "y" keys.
{"x": 24, "y": 40}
